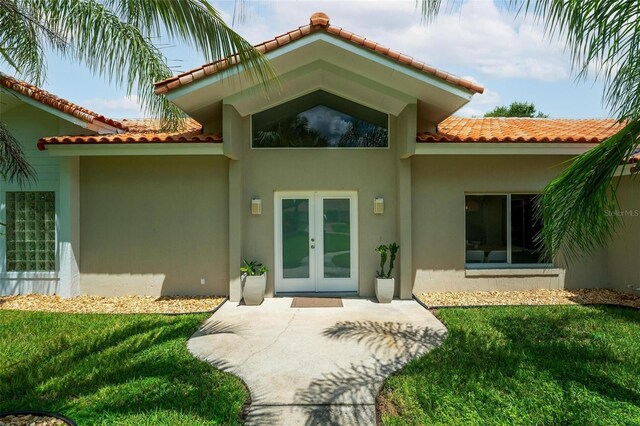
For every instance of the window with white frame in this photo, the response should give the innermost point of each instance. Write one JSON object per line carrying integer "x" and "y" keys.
{"x": 30, "y": 231}
{"x": 501, "y": 230}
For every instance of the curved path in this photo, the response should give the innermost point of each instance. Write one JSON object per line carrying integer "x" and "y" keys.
{"x": 315, "y": 365}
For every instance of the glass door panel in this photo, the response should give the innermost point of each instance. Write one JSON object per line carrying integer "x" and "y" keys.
{"x": 295, "y": 238}
{"x": 337, "y": 237}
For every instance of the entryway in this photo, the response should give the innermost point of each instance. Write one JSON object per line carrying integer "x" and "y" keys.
{"x": 315, "y": 366}
{"x": 316, "y": 242}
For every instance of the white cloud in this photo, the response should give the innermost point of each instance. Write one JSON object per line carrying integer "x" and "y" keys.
{"x": 477, "y": 35}
{"x": 480, "y": 104}
{"x": 123, "y": 107}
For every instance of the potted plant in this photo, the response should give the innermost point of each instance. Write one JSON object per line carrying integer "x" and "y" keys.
{"x": 254, "y": 275}
{"x": 385, "y": 284}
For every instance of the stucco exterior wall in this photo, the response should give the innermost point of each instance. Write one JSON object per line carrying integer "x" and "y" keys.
{"x": 154, "y": 225}
{"x": 438, "y": 194}
{"x": 28, "y": 124}
{"x": 624, "y": 250}
{"x": 370, "y": 172}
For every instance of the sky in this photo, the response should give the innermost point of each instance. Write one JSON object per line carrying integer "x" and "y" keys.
{"x": 478, "y": 40}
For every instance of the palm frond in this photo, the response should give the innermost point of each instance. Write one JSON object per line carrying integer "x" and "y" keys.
{"x": 603, "y": 37}
{"x": 13, "y": 164}
{"x": 111, "y": 48}
{"x": 199, "y": 25}
{"x": 115, "y": 39}
{"x": 578, "y": 208}
{"x": 21, "y": 42}
{"x": 429, "y": 9}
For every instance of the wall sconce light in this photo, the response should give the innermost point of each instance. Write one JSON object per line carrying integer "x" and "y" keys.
{"x": 378, "y": 205}
{"x": 256, "y": 206}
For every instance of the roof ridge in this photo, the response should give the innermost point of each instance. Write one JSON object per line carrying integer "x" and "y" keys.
{"x": 319, "y": 21}
{"x": 53, "y": 101}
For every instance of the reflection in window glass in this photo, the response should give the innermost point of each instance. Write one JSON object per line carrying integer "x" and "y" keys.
{"x": 295, "y": 238}
{"x": 524, "y": 228}
{"x": 320, "y": 120}
{"x": 337, "y": 238}
{"x": 486, "y": 228}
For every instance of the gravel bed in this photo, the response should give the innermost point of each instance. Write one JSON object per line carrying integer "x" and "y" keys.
{"x": 31, "y": 420}
{"x": 111, "y": 305}
{"x": 531, "y": 297}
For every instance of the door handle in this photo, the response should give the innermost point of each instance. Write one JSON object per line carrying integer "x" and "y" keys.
{"x": 313, "y": 246}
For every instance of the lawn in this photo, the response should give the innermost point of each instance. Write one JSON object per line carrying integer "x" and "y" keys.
{"x": 523, "y": 365}
{"x": 112, "y": 369}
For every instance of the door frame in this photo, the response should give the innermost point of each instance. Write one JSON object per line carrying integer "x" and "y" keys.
{"x": 316, "y": 221}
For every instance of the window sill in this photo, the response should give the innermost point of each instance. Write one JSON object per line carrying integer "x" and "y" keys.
{"x": 511, "y": 271}
{"x": 29, "y": 276}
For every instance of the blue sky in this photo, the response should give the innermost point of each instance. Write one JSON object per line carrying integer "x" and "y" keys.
{"x": 509, "y": 55}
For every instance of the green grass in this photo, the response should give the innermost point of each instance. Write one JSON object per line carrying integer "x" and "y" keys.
{"x": 524, "y": 365}
{"x": 112, "y": 369}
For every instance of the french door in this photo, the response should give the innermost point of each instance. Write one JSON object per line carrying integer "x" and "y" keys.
{"x": 316, "y": 242}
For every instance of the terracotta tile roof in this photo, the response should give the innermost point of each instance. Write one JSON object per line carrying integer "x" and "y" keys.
{"x": 143, "y": 131}
{"x": 53, "y": 101}
{"x": 528, "y": 130}
{"x": 318, "y": 22}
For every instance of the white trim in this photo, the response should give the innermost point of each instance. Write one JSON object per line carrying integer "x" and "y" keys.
{"x": 316, "y": 282}
{"x": 486, "y": 148}
{"x": 335, "y": 41}
{"x": 95, "y": 125}
{"x": 157, "y": 148}
{"x": 517, "y": 271}
{"x": 28, "y": 275}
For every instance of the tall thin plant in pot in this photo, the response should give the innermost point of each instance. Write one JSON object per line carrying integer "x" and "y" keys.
{"x": 254, "y": 277}
{"x": 385, "y": 283}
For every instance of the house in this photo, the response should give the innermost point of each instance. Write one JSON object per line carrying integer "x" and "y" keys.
{"x": 358, "y": 146}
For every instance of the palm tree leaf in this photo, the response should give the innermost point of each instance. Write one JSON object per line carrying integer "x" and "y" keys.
{"x": 198, "y": 24}
{"x": 578, "y": 208}
{"x": 13, "y": 164}
{"x": 111, "y": 48}
{"x": 20, "y": 41}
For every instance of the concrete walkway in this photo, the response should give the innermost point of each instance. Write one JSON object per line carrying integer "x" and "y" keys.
{"x": 308, "y": 366}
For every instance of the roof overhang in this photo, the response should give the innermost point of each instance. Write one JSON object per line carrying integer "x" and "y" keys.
{"x": 485, "y": 148}
{"x": 10, "y": 97}
{"x": 339, "y": 65}
{"x": 164, "y": 148}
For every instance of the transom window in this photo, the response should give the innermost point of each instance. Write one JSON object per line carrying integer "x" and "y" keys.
{"x": 320, "y": 120}
{"x": 30, "y": 231}
{"x": 501, "y": 230}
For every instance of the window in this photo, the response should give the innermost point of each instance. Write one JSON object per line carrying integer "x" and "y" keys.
{"x": 320, "y": 120}
{"x": 501, "y": 229}
{"x": 30, "y": 231}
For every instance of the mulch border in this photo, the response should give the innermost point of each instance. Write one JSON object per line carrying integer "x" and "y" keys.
{"x": 175, "y": 314}
{"x": 211, "y": 311}
{"x": 424, "y": 305}
{"x": 39, "y": 413}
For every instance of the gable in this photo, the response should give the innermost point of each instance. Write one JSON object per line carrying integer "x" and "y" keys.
{"x": 320, "y": 56}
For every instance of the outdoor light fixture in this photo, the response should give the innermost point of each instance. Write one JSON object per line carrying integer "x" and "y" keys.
{"x": 378, "y": 206}
{"x": 256, "y": 206}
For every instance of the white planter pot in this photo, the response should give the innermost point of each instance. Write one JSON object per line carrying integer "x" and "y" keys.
{"x": 254, "y": 288}
{"x": 384, "y": 289}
